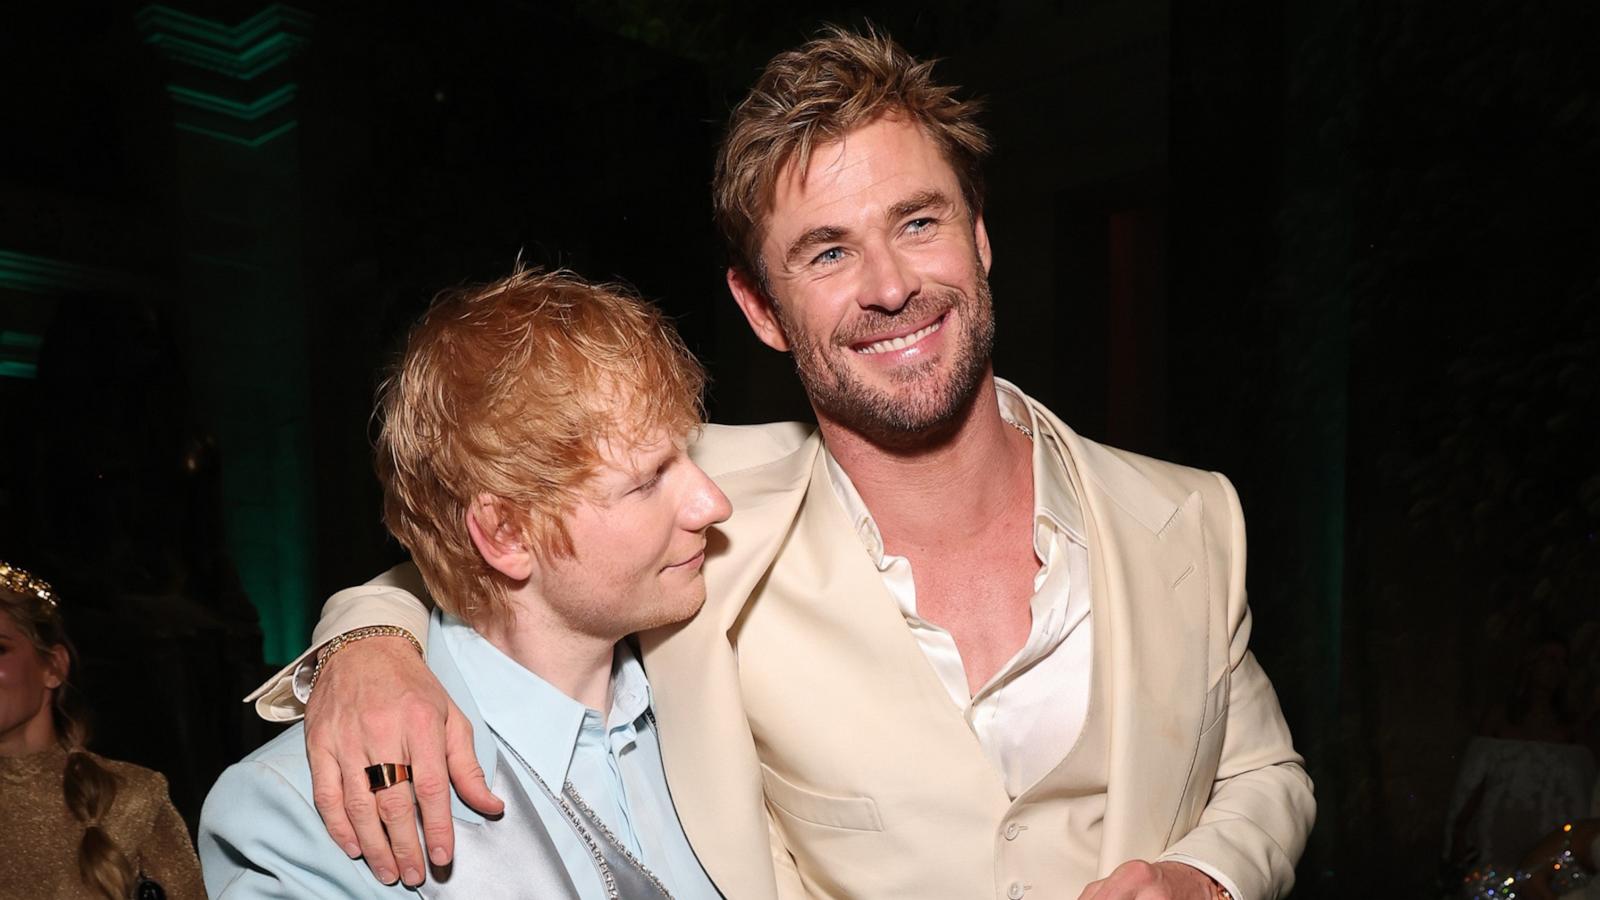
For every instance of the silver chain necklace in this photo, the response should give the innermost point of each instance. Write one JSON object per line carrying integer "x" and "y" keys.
{"x": 600, "y": 864}
{"x": 1026, "y": 431}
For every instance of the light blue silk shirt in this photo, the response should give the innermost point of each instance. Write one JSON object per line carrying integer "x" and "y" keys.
{"x": 613, "y": 762}
{"x": 260, "y": 835}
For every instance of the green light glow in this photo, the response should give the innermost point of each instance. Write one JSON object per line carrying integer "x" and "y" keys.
{"x": 244, "y": 112}
{"x": 226, "y": 87}
{"x": 39, "y": 275}
{"x": 243, "y": 51}
{"x": 20, "y": 340}
{"x": 252, "y": 143}
{"x": 236, "y": 37}
{"x": 18, "y": 354}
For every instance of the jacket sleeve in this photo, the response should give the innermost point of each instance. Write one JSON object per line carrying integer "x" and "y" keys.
{"x": 1261, "y": 808}
{"x": 397, "y": 597}
{"x": 261, "y": 839}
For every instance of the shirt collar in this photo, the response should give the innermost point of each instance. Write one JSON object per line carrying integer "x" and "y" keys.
{"x": 1055, "y": 503}
{"x": 630, "y": 690}
{"x": 529, "y": 713}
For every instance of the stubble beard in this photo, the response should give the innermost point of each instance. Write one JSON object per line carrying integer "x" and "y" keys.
{"x": 919, "y": 408}
{"x": 613, "y": 610}
{"x": 614, "y": 621}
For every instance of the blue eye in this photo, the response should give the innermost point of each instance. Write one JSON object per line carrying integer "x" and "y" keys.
{"x": 829, "y": 256}
{"x": 921, "y": 224}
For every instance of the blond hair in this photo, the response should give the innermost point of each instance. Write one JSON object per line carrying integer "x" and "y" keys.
{"x": 88, "y": 788}
{"x": 510, "y": 389}
{"x": 817, "y": 94}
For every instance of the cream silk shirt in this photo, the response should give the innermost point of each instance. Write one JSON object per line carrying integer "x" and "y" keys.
{"x": 1028, "y": 715}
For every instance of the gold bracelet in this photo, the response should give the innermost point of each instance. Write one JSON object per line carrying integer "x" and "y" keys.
{"x": 342, "y": 641}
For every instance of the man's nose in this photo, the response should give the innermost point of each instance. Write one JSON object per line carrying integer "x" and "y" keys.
{"x": 707, "y": 504}
{"x": 888, "y": 279}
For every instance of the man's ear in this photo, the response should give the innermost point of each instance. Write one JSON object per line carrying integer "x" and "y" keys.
{"x": 501, "y": 544}
{"x": 757, "y": 307}
{"x": 57, "y": 665}
{"x": 980, "y": 237}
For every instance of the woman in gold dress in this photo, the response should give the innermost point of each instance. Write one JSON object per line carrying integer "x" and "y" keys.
{"x": 77, "y": 825}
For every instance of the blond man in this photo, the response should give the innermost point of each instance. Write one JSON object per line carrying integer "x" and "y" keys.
{"x": 532, "y": 455}
{"x": 952, "y": 649}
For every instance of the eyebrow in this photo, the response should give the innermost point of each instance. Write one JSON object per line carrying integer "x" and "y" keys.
{"x": 654, "y": 462}
{"x": 827, "y": 234}
{"x": 916, "y": 203}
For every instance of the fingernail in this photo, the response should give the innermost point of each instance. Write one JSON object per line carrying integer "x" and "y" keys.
{"x": 413, "y": 877}
{"x": 386, "y": 876}
{"x": 438, "y": 856}
{"x": 352, "y": 850}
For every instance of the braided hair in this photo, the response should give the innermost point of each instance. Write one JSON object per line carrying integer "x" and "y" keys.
{"x": 88, "y": 787}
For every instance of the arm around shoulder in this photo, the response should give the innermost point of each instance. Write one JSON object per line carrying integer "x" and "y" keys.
{"x": 397, "y": 597}
{"x": 1262, "y": 806}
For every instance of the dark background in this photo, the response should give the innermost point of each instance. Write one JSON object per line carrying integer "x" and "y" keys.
{"x": 1344, "y": 252}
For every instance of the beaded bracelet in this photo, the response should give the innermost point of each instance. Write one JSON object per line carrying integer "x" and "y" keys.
{"x": 350, "y": 637}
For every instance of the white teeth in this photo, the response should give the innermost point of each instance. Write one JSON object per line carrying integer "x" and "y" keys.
{"x": 900, "y": 343}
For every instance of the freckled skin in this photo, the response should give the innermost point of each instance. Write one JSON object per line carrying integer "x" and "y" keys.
{"x": 635, "y": 538}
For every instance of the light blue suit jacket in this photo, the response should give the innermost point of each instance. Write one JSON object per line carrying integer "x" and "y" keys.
{"x": 261, "y": 837}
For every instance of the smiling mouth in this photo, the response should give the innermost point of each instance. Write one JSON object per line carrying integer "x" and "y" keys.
{"x": 889, "y": 345}
{"x": 691, "y": 561}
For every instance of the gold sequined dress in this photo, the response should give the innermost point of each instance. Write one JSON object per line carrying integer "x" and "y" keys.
{"x": 39, "y": 837}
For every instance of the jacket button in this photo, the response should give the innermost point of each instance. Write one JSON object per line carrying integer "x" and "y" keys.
{"x": 1012, "y": 831}
{"x": 1016, "y": 891}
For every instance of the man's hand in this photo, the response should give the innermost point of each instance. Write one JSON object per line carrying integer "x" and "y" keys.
{"x": 1139, "y": 880}
{"x": 376, "y": 702}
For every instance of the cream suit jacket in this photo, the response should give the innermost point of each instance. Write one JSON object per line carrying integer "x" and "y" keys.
{"x": 811, "y": 751}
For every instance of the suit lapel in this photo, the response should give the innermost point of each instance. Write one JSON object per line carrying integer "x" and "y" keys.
{"x": 841, "y": 628}
{"x": 706, "y": 747}
{"x": 1147, "y": 560}
{"x": 1149, "y": 574}
{"x": 483, "y": 868}
{"x": 846, "y": 600}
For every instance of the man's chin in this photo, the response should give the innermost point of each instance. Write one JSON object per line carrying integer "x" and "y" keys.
{"x": 675, "y": 610}
{"x": 916, "y": 406}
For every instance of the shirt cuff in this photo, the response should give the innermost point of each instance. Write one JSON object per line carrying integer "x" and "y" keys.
{"x": 1210, "y": 871}
{"x": 302, "y": 676}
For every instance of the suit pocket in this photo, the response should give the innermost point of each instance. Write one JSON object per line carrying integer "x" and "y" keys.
{"x": 855, "y": 813}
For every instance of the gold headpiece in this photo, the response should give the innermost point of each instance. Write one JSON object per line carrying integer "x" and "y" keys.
{"x": 24, "y": 582}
